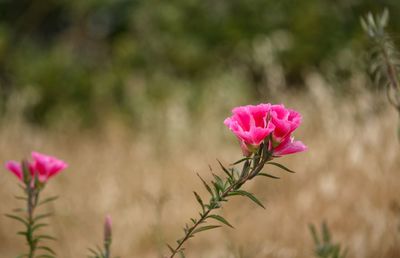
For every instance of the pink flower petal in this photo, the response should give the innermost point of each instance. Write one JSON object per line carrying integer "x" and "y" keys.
{"x": 289, "y": 146}
{"x": 242, "y": 117}
{"x": 46, "y": 166}
{"x": 15, "y": 168}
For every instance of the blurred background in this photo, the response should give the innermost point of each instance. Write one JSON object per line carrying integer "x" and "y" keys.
{"x": 133, "y": 93}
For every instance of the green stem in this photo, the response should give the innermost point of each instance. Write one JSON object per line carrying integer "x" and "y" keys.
{"x": 214, "y": 204}
{"x": 392, "y": 77}
{"x": 107, "y": 245}
{"x": 32, "y": 202}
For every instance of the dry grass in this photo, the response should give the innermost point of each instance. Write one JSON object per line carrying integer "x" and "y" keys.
{"x": 349, "y": 177}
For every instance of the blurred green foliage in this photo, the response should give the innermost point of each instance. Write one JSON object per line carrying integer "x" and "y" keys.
{"x": 324, "y": 247}
{"x": 83, "y": 59}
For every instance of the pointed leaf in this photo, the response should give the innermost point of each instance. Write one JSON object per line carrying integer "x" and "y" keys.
{"x": 18, "y": 218}
{"x": 247, "y": 194}
{"x": 22, "y": 255}
{"x": 225, "y": 170}
{"x": 267, "y": 175}
{"x": 206, "y": 185}
{"x": 199, "y": 200}
{"x": 220, "y": 219}
{"x": 326, "y": 236}
{"x": 37, "y": 226}
{"x": 314, "y": 234}
{"x": 281, "y": 166}
{"x": 19, "y": 210}
{"x": 218, "y": 180}
{"x": 37, "y": 238}
{"x": 42, "y": 216}
{"x": 170, "y": 248}
{"x": 93, "y": 252}
{"x": 21, "y": 197}
{"x": 205, "y": 228}
{"x": 50, "y": 199}
{"x": 48, "y": 249}
{"x": 240, "y": 161}
{"x": 245, "y": 169}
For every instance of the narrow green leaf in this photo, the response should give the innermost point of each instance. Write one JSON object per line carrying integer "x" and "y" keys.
{"x": 181, "y": 253}
{"x": 22, "y": 256}
{"x": 42, "y": 216}
{"x": 45, "y": 248}
{"x": 326, "y": 235}
{"x": 267, "y": 175}
{"x": 257, "y": 157}
{"x": 21, "y": 197}
{"x": 314, "y": 234}
{"x": 218, "y": 180}
{"x": 281, "y": 166}
{"x": 19, "y": 210}
{"x": 206, "y": 185}
{"x": 247, "y": 194}
{"x": 18, "y": 219}
{"x": 245, "y": 169}
{"x": 199, "y": 200}
{"x": 218, "y": 188}
{"x": 225, "y": 170}
{"x": 94, "y": 252}
{"x": 37, "y": 238}
{"x": 240, "y": 161}
{"x": 50, "y": 199}
{"x": 170, "y": 248}
{"x": 220, "y": 219}
{"x": 37, "y": 226}
{"x": 205, "y": 228}
{"x": 100, "y": 251}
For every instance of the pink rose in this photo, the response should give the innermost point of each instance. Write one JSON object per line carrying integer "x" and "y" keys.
{"x": 43, "y": 166}
{"x": 251, "y": 126}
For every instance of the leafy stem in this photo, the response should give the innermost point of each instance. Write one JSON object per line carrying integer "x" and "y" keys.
{"x": 33, "y": 196}
{"x": 106, "y": 252}
{"x": 220, "y": 190}
{"x": 384, "y": 55}
{"x": 32, "y": 188}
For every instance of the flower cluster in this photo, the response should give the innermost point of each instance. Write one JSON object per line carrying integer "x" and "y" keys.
{"x": 42, "y": 166}
{"x": 253, "y": 124}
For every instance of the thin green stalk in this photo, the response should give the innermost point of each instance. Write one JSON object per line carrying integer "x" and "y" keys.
{"x": 32, "y": 202}
{"x": 392, "y": 78}
{"x": 215, "y": 204}
{"x": 107, "y": 245}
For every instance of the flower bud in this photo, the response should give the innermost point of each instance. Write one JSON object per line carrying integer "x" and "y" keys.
{"x": 107, "y": 229}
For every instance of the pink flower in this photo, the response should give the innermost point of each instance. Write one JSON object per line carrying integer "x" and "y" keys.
{"x": 15, "y": 168}
{"x": 46, "y": 166}
{"x": 285, "y": 122}
{"x": 251, "y": 126}
{"x": 43, "y": 166}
